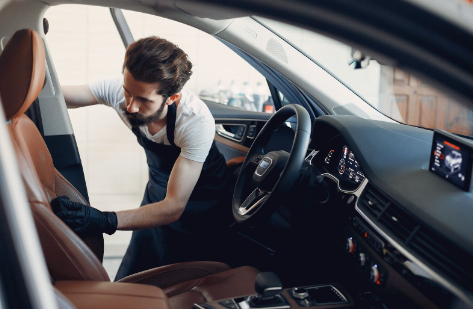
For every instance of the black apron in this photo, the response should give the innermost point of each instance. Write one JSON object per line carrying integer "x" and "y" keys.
{"x": 191, "y": 238}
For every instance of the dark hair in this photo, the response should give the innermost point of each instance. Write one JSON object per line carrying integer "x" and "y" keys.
{"x": 155, "y": 60}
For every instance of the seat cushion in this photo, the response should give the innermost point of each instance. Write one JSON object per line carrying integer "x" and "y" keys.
{"x": 112, "y": 295}
{"x": 196, "y": 282}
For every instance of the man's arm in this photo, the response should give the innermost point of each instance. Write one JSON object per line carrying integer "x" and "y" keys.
{"x": 184, "y": 176}
{"x": 78, "y": 96}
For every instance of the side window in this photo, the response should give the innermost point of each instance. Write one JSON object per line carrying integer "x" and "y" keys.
{"x": 219, "y": 75}
{"x": 283, "y": 99}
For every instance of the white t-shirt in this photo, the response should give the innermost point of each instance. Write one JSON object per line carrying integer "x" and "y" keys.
{"x": 195, "y": 125}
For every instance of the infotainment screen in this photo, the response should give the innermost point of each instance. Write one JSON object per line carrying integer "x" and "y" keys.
{"x": 451, "y": 158}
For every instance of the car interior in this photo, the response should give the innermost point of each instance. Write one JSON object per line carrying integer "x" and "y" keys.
{"x": 334, "y": 207}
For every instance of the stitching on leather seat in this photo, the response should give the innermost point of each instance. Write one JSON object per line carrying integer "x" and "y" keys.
{"x": 170, "y": 271}
{"x": 114, "y": 294}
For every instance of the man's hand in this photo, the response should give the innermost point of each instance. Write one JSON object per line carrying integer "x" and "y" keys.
{"x": 82, "y": 219}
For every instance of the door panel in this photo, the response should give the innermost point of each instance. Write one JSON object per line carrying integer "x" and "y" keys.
{"x": 235, "y": 129}
{"x": 229, "y": 149}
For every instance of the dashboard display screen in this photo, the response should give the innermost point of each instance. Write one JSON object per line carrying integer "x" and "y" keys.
{"x": 348, "y": 168}
{"x": 451, "y": 159}
{"x": 337, "y": 159}
{"x": 341, "y": 162}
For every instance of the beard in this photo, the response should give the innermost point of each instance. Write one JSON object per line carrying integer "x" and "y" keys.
{"x": 138, "y": 120}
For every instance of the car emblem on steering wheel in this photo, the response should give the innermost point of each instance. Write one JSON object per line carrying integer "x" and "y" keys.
{"x": 263, "y": 166}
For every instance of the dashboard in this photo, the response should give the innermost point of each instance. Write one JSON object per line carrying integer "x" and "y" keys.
{"x": 410, "y": 230}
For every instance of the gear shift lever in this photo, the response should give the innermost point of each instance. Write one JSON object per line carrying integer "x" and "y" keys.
{"x": 268, "y": 286}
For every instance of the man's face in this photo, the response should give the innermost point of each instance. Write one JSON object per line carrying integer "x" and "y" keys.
{"x": 143, "y": 105}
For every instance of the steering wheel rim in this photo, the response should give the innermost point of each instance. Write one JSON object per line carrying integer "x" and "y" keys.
{"x": 266, "y": 202}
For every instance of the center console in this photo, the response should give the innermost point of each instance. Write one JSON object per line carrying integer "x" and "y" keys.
{"x": 271, "y": 295}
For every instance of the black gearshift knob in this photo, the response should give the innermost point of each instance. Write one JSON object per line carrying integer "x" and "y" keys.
{"x": 267, "y": 285}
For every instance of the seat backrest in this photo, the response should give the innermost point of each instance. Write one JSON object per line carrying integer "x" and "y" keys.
{"x": 22, "y": 73}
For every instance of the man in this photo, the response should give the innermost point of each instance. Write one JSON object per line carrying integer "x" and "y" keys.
{"x": 182, "y": 205}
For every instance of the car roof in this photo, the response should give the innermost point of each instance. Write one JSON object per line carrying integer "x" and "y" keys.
{"x": 429, "y": 38}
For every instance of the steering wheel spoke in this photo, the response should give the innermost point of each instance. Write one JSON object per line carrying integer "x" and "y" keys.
{"x": 254, "y": 200}
{"x": 273, "y": 173}
{"x": 257, "y": 159}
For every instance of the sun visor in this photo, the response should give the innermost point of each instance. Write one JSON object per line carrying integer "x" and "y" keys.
{"x": 209, "y": 11}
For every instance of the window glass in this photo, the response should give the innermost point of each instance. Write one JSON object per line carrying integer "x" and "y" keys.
{"x": 397, "y": 94}
{"x": 219, "y": 75}
{"x": 283, "y": 99}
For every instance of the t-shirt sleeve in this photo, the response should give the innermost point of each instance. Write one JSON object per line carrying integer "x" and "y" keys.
{"x": 197, "y": 139}
{"x": 108, "y": 91}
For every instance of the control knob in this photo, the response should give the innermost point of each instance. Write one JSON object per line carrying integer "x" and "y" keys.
{"x": 350, "y": 245}
{"x": 362, "y": 259}
{"x": 303, "y": 296}
{"x": 374, "y": 274}
{"x": 300, "y": 293}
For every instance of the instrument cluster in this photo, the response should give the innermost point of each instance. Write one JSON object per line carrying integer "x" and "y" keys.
{"x": 339, "y": 160}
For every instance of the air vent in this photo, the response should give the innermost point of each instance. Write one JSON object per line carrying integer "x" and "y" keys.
{"x": 399, "y": 222}
{"x": 427, "y": 245}
{"x": 446, "y": 257}
{"x": 374, "y": 201}
{"x": 275, "y": 48}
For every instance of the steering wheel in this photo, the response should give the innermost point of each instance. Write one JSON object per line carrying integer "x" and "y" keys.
{"x": 265, "y": 178}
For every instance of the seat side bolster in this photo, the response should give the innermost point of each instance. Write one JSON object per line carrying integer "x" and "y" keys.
{"x": 67, "y": 257}
{"x": 65, "y": 188}
{"x": 169, "y": 275}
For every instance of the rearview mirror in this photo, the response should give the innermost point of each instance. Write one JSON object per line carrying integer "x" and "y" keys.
{"x": 360, "y": 60}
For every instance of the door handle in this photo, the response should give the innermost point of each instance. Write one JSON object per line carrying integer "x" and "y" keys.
{"x": 238, "y": 136}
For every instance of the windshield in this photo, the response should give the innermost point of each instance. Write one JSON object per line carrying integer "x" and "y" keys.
{"x": 395, "y": 93}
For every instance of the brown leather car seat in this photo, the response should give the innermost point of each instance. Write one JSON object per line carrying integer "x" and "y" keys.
{"x": 22, "y": 71}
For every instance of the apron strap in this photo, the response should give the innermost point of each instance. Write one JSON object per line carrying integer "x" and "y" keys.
{"x": 171, "y": 123}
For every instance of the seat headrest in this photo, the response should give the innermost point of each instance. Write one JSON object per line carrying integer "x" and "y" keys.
{"x": 22, "y": 72}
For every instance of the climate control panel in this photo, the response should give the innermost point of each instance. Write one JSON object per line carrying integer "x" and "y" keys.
{"x": 358, "y": 239}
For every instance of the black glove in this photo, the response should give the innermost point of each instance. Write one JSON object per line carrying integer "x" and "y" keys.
{"x": 84, "y": 220}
